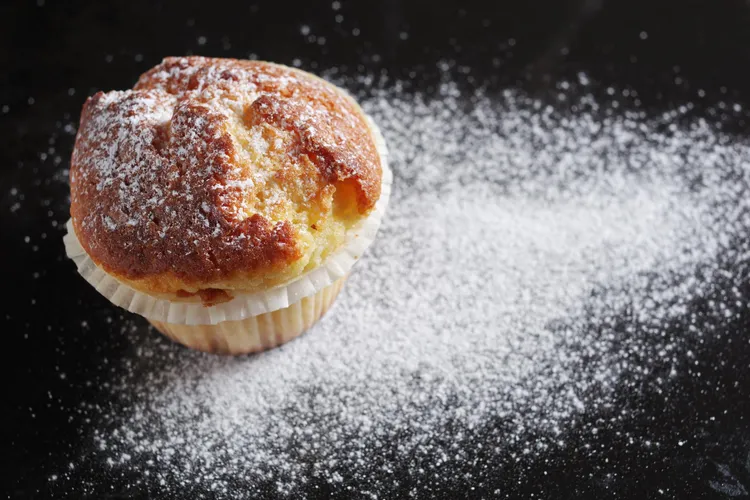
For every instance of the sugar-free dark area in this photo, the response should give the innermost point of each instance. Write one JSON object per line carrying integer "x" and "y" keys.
{"x": 557, "y": 304}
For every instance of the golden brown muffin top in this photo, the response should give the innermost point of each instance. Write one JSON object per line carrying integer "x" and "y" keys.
{"x": 211, "y": 171}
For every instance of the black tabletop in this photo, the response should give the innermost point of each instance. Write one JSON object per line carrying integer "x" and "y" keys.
{"x": 58, "y": 333}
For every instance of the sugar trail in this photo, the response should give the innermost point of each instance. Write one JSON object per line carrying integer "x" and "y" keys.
{"x": 511, "y": 226}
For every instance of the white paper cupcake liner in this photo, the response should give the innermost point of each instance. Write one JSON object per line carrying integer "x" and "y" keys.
{"x": 242, "y": 306}
{"x": 256, "y": 333}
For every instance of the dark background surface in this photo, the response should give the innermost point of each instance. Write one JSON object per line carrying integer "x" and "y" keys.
{"x": 54, "y": 54}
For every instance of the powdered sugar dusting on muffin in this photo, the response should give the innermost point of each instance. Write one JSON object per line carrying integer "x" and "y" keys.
{"x": 480, "y": 325}
{"x": 259, "y": 143}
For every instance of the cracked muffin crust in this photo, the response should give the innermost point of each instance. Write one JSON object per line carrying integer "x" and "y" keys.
{"x": 217, "y": 176}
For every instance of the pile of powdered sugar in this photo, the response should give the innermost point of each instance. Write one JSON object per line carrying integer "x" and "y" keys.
{"x": 480, "y": 318}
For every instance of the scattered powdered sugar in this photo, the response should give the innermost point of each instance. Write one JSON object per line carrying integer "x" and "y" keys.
{"x": 480, "y": 324}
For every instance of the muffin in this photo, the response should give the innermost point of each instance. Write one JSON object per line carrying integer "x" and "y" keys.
{"x": 224, "y": 200}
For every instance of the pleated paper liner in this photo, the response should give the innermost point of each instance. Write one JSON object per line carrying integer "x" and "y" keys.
{"x": 255, "y": 333}
{"x": 320, "y": 286}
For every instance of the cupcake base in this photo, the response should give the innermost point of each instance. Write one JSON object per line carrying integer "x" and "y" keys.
{"x": 256, "y": 333}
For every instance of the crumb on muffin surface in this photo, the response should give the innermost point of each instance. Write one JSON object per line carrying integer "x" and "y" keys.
{"x": 218, "y": 174}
